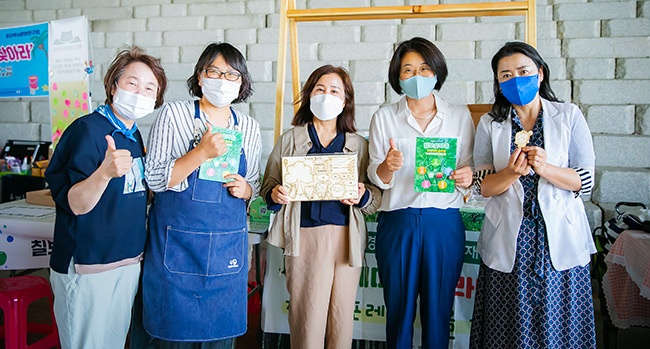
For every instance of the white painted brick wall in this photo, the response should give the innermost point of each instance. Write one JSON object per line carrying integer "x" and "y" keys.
{"x": 613, "y": 119}
{"x": 118, "y": 39}
{"x": 604, "y": 10}
{"x": 122, "y": 25}
{"x": 148, "y": 38}
{"x": 579, "y": 29}
{"x": 180, "y": 38}
{"x": 150, "y": 11}
{"x": 608, "y": 47}
{"x": 643, "y": 115}
{"x": 614, "y": 184}
{"x": 591, "y": 68}
{"x": 613, "y": 92}
{"x": 355, "y": 51}
{"x": 13, "y": 5}
{"x": 15, "y": 16}
{"x": 42, "y": 16}
{"x": 475, "y": 31}
{"x": 645, "y": 9}
{"x": 408, "y": 31}
{"x": 455, "y": 49}
{"x": 173, "y": 10}
{"x": 622, "y": 150}
{"x": 221, "y": 9}
{"x": 240, "y": 21}
{"x": 633, "y": 68}
{"x": 46, "y": 4}
{"x": 329, "y": 34}
{"x": 627, "y": 27}
{"x": 240, "y": 36}
{"x": 597, "y": 51}
{"x": 97, "y": 13}
{"x": 16, "y": 112}
{"x": 95, "y": 3}
{"x": 40, "y": 111}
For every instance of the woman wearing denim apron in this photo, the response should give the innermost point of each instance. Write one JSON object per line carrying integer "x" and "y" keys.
{"x": 195, "y": 271}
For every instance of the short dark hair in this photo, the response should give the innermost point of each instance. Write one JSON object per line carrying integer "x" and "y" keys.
{"x": 345, "y": 120}
{"x": 431, "y": 54}
{"x": 126, "y": 57}
{"x": 233, "y": 57}
{"x": 501, "y": 107}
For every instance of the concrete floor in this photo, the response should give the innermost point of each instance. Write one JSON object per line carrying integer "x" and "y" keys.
{"x": 632, "y": 338}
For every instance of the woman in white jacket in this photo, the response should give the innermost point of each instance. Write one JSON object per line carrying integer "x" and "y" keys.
{"x": 534, "y": 158}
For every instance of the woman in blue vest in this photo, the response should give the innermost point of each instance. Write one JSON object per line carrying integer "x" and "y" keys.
{"x": 534, "y": 159}
{"x": 96, "y": 176}
{"x": 195, "y": 270}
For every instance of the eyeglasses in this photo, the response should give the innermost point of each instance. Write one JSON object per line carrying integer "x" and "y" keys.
{"x": 424, "y": 70}
{"x": 216, "y": 74}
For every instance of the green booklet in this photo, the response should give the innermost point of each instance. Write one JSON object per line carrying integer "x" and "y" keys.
{"x": 216, "y": 169}
{"x": 435, "y": 158}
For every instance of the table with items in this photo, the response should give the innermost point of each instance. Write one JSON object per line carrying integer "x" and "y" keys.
{"x": 626, "y": 284}
{"x": 370, "y": 311}
{"x": 25, "y": 235}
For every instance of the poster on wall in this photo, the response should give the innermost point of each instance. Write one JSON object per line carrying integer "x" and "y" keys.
{"x": 70, "y": 67}
{"x": 23, "y": 61}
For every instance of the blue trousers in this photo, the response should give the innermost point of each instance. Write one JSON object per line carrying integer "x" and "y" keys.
{"x": 419, "y": 253}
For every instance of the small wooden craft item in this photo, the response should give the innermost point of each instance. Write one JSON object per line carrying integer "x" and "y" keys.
{"x": 522, "y": 138}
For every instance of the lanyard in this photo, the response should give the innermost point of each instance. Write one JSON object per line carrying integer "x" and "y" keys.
{"x": 197, "y": 122}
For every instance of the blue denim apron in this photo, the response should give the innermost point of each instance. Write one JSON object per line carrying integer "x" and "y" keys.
{"x": 195, "y": 265}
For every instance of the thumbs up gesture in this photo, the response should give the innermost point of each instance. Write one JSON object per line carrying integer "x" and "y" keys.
{"x": 394, "y": 158}
{"x": 117, "y": 162}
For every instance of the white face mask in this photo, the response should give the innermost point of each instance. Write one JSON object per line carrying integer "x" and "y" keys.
{"x": 325, "y": 107}
{"x": 220, "y": 92}
{"x": 132, "y": 106}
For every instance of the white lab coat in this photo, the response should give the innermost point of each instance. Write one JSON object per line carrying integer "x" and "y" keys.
{"x": 566, "y": 135}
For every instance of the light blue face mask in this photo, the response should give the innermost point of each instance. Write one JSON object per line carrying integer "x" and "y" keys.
{"x": 418, "y": 87}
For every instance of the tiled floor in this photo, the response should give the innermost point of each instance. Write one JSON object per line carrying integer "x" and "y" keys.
{"x": 633, "y": 338}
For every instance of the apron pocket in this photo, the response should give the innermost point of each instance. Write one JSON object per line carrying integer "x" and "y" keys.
{"x": 204, "y": 253}
{"x": 207, "y": 191}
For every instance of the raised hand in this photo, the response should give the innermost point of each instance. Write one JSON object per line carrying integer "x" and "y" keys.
{"x": 212, "y": 144}
{"x": 117, "y": 162}
{"x": 394, "y": 158}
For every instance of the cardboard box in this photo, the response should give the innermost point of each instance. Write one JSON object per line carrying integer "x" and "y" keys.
{"x": 40, "y": 197}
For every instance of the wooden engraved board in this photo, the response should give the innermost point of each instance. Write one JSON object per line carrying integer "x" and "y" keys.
{"x": 320, "y": 177}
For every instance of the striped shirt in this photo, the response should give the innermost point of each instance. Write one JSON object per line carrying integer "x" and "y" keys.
{"x": 172, "y": 133}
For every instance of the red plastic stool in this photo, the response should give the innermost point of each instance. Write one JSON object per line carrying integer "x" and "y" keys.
{"x": 16, "y": 294}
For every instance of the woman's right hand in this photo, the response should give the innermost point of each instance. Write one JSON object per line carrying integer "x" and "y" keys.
{"x": 394, "y": 158}
{"x": 518, "y": 163}
{"x": 279, "y": 195}
{"x": 212, "y": 144}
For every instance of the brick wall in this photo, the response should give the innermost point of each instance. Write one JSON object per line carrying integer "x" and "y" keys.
{"x": 598, "y": 52}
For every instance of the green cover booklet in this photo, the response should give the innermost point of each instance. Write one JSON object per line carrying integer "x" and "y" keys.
{"x": 216, "y": 169}
{"x": 435, "y": 158}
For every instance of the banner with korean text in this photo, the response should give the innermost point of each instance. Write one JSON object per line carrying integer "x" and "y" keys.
{"x": 370, "y": 310}
{"x": 23, "y": 61}
{"x": 70, "y": 67}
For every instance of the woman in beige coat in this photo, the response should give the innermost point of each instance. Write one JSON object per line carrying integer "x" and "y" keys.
{"x": 323, "y": 241}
